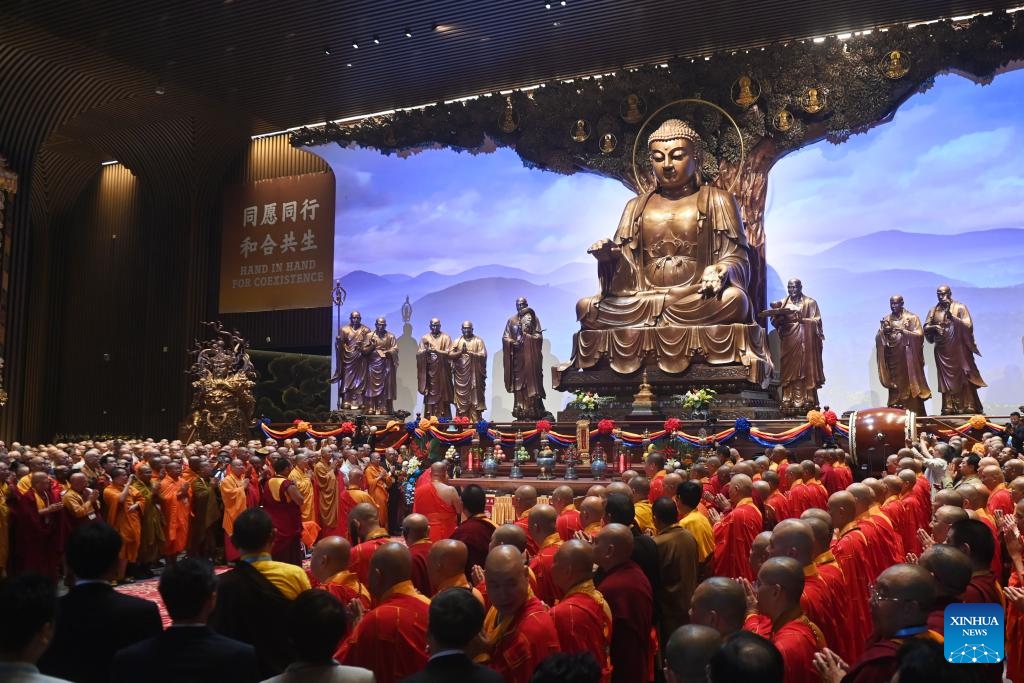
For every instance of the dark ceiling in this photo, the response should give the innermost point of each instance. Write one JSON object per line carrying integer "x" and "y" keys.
{"x": 268, "y": 61}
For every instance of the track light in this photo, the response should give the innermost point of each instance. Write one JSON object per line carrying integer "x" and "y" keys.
{"x": 355, "y": 44}
{"x": 376, "y": 40}
{"x": 408, "y": 33}
{"x": 327, "y": 50}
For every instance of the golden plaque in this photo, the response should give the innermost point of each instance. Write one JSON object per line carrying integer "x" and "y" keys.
{"x": 896, "y": 65}
{"x": 580, "y": 131}
{"x": 783, "y": 120}
{"x": 608, "y": 143}
{"x": 813, "y": 101}
{"x": 632, "y": 109}
{"x": 509, "y": 121}
{"x": 745, "y": 91}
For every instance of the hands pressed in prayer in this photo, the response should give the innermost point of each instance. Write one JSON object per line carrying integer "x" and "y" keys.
{"x": 830, "y": 666}
{"x": 926, "y": 539}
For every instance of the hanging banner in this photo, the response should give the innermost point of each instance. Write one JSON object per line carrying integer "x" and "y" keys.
{"x": 277, "y": 250}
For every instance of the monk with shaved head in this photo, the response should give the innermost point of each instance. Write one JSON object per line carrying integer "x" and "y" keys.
{"x": 563, "y": 500}
{"x": 780, "y": 618}
{"x": 999, "y": 495}
{"x": 598, "y": 490}
{"x": 233, "y": 496}
{"x": 917, "y": 513}
{"x": 719, "y": 603}
{"x": 582, "y": 618}
{"x": 735, "y": 532}
{"x": 438, "y": 501}
{"x": 400, "y": 616}
{"x": 543, "y": 529}
{"x": 884, "y": 541}
{"x": 975, "y": 502}
{"x": 592, "y": 515}
{"x": 329, "y": 566}
{"x": 523, "y": 500}
{"x": 506, "y": 534}
{"x": 445, "y": 565}
{"x": 952, "y": 571}
{"x": 416, "y": 533}
{"x": 942, "y": 520}
{"x": 640, "y": 489}
{"x": 654, "y": 469}
{"x": 630, "y": 598}
{"x": 759, "y": 550}
{"x": 364, "y": 523}
{"x": 518, "y": 631}
{"x": 352, "y": 494}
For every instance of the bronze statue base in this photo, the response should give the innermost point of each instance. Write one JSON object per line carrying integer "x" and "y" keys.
{"x": 737, "y": 396}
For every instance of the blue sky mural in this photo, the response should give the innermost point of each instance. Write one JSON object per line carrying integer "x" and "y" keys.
{"x": 933, "y": 196}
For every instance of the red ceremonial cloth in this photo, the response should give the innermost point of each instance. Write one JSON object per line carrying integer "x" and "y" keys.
{"x": 439, "y": 512}
{"x": 585, "y": 625}
{"x": 629, "y": 596}
{"x": 390, "y": 640}
{"x": 1014, "y": 638}
{"x": 519, "y": 645}
{"x": 796, "y": 640}
{"x": 734, "y": 535}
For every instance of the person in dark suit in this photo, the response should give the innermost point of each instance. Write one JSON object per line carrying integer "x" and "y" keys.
{"x": 94, "y": 621}
{"x": 26, "y": 625}
{"x": 189, "y": 650}
{"x": 455, "y": 619}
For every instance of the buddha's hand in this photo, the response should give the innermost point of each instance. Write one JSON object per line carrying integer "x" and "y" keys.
{"x": 604, "y": 250}
{"x": 712, "y": 281}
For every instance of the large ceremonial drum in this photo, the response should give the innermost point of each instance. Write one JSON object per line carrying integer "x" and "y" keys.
{"x": 877, "y": 433}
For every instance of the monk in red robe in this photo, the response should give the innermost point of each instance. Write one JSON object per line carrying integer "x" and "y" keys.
{"x": 523, "y": 500}
{"x": 330, "y": 568}
{"x": 900, "y": 602}
{"x": 476, "y": 529}
{"x": 832, "y": 576}
{"x": 38, "y": 528}
{"x": 283, "y": 502}
{"x": 416, "y": 533}
{"x": 518, "y": 631}
{"x": 735, "y": 532}
{"x": 654, "y": 468}
{"x": 975, "y": 539}
{"x": 582, "y": 618}
{"x": 780, "y": 465}
{"x": 776, "y": 507}
{"x": 631, "y": 601}
{"x": 884, "y": 541}
{"x": 439, "y": 502}
{"x": 568, "y": 516}
{"x": 543, "y": 526}
{"x": 903, "y": 519}
{"x": 175, "y": 504}
{"x": 1015, "y": 595}
{"x": 815, "y": 494}
{"x": 780, "y": 619}
{"x": 796, "y": 491}
{"x": 391, "y": 639}
{"x": 445, "y": 564}
{"x": 914, "y": 509}
{"x": 364, "y": 520}
{"x": 975, "y": 500}
{"x": 852, "y": 553}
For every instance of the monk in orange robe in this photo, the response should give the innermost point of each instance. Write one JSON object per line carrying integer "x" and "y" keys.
{"x": 543, "y": 524}
{"x": 232, "y": 493}
{"x": 391, "y": 639}
{"x": 330, "y": 567}
{"x": 975, "y": 500}
{"x": 351, "y": 495}
{"x": 326, "y": 487}
{"x": 445, "y": 568}
{"x": 851, "y": 552}
{"x": 518, "y": 631}
{"x": 999, "y": 497}
{"x": 655, "y": 470}
{"x": 780, "y": 619}
{"x": 582, "y": 618}
{"x": 363, "y": 519}
{"x": 124, "y": 507}
{"x": 735, "y": 532}
{"x": 568, "y": 523}
{"x": 438, "y": 502}
{"x": 175, "y": 504}
{"x": 302, "y": 476}
{"x": 378, "y": 484}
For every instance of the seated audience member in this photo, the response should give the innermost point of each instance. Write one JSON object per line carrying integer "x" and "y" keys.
{"x": 26, "y": 626}
{"x": 688, "y": 652}
{"x": 746, "y": 656}
{"x": 579, "y": 667}
{"x": 454, "y": 621}
{"x": 316, "y": 624}
{"x": 95, "y": 620}
{"x": 189, "y": 650}
{"x": 253, "y": 598}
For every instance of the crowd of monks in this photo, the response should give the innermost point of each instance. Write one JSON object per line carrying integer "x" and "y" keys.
{"x": 650, "y": 575}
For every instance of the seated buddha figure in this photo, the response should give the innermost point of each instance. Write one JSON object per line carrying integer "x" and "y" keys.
{"x": 679, "y": 256}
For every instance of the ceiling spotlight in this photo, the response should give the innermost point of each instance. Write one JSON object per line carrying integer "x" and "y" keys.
{"x": 547, "y": 5}
{"x": 408, "y": 33}
{"x": 327, "y": 50}
{"x": 160, "y": 89}
{"x": 355, "y": 44}
{"x": 434, "y": 27}
{"x": 376, "y": 40}
{"x": 562, "y": 3}
{"x": 348, "y": 64}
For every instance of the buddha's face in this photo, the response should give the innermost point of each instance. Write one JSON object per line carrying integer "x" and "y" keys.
{"x": 355, "y": 319}
{"x": 896, "y": 305}
{"x": 674, "y": 163}
{"x": 435, "y": 326}
{"x": 381, "y": 325}
{"x": 944, "y": 294}
{"x": 794, "y": 288}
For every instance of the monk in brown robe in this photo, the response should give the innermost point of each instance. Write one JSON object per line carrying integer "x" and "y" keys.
{"x": 381, "y": 351}
{"x": 476, "y": 529}
{"x": 206, "y": 512}
{"x": 801, "y": 336}
{"x": 522, "y": 356}
{"x": 151, "y": 541}
{"x": 80, "y": 503}
{"x": 899, "y": 350}
{"x": 350, "y": 362}
{"x": 439, "y": 502}
{"x": 469, "y": 373}
{"x": 434, "y": 371}
{"x": 38, "y": 528}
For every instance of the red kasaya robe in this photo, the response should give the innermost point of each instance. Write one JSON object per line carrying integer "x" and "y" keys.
{"x": 816, "y": 495}
{"x": 518, "y": 644}
{"x": 1000, "y": 499}
{"x": 797, "y": 641}
{"x": 734, "y": 535}
{"x": 983, "y": 588}
{"x": 583, "y": 622}
{"x": 359, "y": 561}
{"x": 997, "y": 556}
{"x": 1014, "y": 637}
{"x": 851, "y": 552}
{"x": 523, "y": 522}
{"x": 797, "y": 499}
{"x": 348, "y": 498}
{"x": 777, "y": 502}
{"x": 821, "y": 606}
{"x": 883, "y": 539}
{"x": 832, "y": 576}
{"x": 476, "y": 533}
{"x": 568, "y": 522}
{"x": 346, "y": 587}
{"x": 391, "y": 639}
{"x": 657, "y": 489}
{"x": 541, "y": 566}
{"x": 629, "y": 596}
{"x": 912, "y": 510}
{"x": 420, "y": 575}
{"x": 438, "y": 511}
{"x": 879, "y": 661}
{"x": 38, "y": 538}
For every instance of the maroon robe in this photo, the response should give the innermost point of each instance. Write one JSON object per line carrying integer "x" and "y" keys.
{"x": 287, "y": 518}
{"x": 631, "y": 600}
{"x": 38, "y": 538}
{"x": 420, "y": 576}
{"x": 476, "y": 533}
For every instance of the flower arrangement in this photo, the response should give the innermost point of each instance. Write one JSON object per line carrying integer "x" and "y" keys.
{"x": 461, "y": 421}
{"x": 672, "y": 424}
{"x": 585, "y": 400}
{"x": 411, "y": 465}
{"x": 606, "y": 426}
{"x": 701, "y": 399}
{"x": 543, "y": 426}
{"x": 977, "y": 422}
{"x": 348, "y": 428}
{"x": 412, "y": 469}
{"x": 816, "y": 418}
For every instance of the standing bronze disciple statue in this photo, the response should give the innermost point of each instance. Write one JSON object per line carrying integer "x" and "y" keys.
{"x": 351, "y": 362}
{"x": 434, "y": 373}
{"x": 522, "y": 356}
{"x": 949, "y": 327}
{"x": 899, "y": 348}
{"x": 802, "y": 374}
{"x": 469, "y": 373}
{"x": 381, "y": 366}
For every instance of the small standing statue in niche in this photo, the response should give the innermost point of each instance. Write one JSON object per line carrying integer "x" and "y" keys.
{"x": 381, "y": 366}
{"x": 899, "y": 348}
{"x": 469, "y": 373}
{"x": 799, "y": 323}
{"x": 351, "y": 362}
{"x": 950, "y": 329}
{"x": 522, "y": 355}
{"x": 434, "y": 372}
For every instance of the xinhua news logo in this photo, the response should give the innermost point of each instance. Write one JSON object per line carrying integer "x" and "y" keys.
{"x": 974, "y": 633}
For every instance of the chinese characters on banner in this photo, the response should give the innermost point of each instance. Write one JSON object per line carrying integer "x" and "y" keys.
{"x": 278, "y": 244}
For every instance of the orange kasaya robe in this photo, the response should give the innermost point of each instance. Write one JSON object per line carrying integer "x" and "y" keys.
{"x": 516, "y": 644}
{"x": 420, "y": 574}
{"x": 359, "y": 560}
{"x": 851, "y": 552}
{"x": 583, "y": 622}
{"x": 657, "y": 489}
{"x": 797, "y": 641}
{"x": 1000, "y": 499}
{"x": 346, "y": 587}
{"x": 128, "y": 524}
{"x": 734, "y": 535}
{"x": 523, "y": 522}
{"x": 541, "y": 565}
{"x": 176, "y": 512}
{"x": 232, "y": 493}
{"x": 568, "y": 522}
{"x": 326, "y": 488}
{"x": 1014, "y": 637}
{"x": 347, "y": 500}
{"x": 439, "y": 512}
{"x": 378, "y": 482}
{"x": 391, "y": 639}
{"x": 304, "y": 483}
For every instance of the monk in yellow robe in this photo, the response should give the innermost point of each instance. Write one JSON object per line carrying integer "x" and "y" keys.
{"x": 378, "y": 482}
{"x": 302, "y": 476}
{"x": 232, "y": 493}
{"x": 325, "y": 482}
